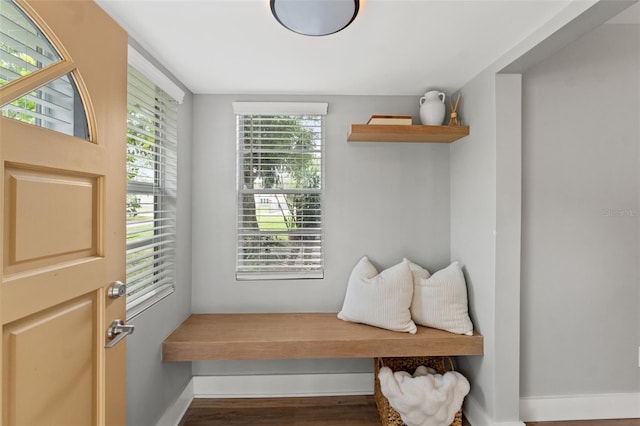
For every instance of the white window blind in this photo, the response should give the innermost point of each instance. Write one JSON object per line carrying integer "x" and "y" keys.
{"x": 151, "y": 193}
{"x": 24, "y": 49}
{"x": 280, "y": 173}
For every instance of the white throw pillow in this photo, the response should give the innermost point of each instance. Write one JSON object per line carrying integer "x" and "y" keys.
{"x": 441, "y": 301}
{"x": 418, "y": 271}
{"x": 381, "y": 300}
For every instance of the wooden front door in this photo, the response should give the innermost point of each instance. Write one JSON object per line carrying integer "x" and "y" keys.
{"x": 62, "y": 209}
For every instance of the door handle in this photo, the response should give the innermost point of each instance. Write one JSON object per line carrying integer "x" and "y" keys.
{"x": 118, "y": 331}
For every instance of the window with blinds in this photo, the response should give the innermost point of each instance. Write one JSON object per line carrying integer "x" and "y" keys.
{"x": 151, "y": 193}
{"x": 24, "y": 49}
{"x": 280, "y": 173}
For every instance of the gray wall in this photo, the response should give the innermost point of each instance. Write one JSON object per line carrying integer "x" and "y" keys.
{"x": 507, "y": 246}
{"x": 473, "y": 207}
{"x": 581, "y": 218}
{"x": 485, "y": 176}
{"x": 385, "y": 200}
{"x": 152, "y": 385}
{"x": 485, "y": 237}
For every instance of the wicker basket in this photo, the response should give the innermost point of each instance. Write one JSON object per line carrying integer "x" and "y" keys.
{"x": 389, "y": 416}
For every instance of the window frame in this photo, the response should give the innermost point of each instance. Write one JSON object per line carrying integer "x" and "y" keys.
{"x": 279, "y": 109}
{"x": 161, "y": 189}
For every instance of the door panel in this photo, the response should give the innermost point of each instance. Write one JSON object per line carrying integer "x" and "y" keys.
{"x": 52, "y": 387}
{"x": 62, "y": 201}
{"x": 65, "y": 212}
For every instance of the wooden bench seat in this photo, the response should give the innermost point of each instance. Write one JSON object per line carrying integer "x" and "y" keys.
{"x": 203, "y": 337}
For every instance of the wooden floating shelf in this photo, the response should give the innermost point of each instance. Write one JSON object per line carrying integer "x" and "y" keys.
{"x": 405, "y": 133}
{"x": 205, "y": 337}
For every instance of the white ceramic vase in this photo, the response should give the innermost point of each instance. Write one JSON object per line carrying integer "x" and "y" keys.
{"x": 432, "y": 108}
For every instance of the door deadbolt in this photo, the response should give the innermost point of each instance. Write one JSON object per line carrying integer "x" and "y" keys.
{"x": 117, "y": 289}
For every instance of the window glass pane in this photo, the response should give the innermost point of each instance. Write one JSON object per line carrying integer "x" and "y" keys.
{"x": 56, "y": 106}
{"x": 280, "y": 197}
{"x": 23, "y": 50}
{"x": 23, "y": 47}
{"x": 151, "y": 193}
{"x": 282, "y": 151}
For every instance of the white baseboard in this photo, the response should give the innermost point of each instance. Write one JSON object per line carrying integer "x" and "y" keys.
{"x": 265, "y": 386}
{"x": 477, "y": 416}
{"x": 282, "y": 385}
{"x": 580, "y": 407}
{"x": 176, "y": 411}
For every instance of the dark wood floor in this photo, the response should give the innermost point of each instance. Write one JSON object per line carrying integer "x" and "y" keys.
{"x": 316, "y": 411}
{"x": 334, "y": 411}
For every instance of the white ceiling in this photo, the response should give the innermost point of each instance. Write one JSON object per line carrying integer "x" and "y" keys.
{"x": 394, "y": 47}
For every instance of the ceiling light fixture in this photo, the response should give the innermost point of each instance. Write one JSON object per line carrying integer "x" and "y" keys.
{"x": 315, "y": 17}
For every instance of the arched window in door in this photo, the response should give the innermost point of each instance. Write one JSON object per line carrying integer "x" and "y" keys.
{"x": 32, "y": 92}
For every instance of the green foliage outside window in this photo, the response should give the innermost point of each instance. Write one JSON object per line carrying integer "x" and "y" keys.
{"x": 23, "y": 103}
{"x": 280, "y": 153}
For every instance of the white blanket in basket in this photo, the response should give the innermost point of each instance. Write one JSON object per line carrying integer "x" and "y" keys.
{"x": 426, "y": 398}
